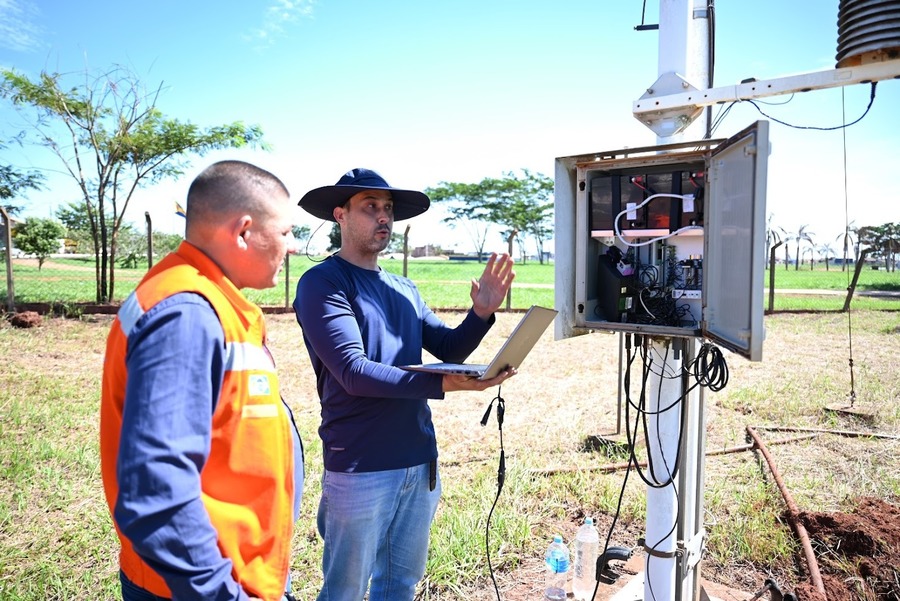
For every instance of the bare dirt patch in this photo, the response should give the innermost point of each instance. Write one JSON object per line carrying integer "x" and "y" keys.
{"x": 858, "y": 551}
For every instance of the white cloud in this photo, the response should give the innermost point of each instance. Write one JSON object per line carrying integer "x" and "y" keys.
{"x": 18, "y": 28}
{"x": 276, "y": 17}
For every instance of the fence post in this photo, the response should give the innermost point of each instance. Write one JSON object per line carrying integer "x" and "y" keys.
{"x": 509, "y": 242}
{"x": 287, "y": 279}
{"x": 405, "y": 249}
{"x": 7, "y": 241}
{"x": 149, "y": 240}
{"x": 852, "y": 287}
{"x": 772, "y": 276}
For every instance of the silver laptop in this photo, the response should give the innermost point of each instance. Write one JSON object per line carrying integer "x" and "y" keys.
{"x": 511, "y": 354}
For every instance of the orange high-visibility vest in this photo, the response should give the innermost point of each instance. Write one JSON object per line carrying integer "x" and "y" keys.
{"x": 247, "y": 482}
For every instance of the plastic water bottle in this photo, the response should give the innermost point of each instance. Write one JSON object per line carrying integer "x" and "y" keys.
{"x": 557, "y": 561}
{"x": 587, "y": 547}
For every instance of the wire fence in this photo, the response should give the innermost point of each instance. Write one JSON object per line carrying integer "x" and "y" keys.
{"x": 68, "y": 284}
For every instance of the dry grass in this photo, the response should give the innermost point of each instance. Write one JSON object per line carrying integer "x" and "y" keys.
{"x": 565, "y": 392}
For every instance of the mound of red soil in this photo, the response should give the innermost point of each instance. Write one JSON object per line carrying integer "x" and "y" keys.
{"x": 25, "y": 319}
{"x": 858, "y": 552}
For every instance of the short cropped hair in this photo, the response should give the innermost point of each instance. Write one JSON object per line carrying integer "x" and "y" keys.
{"x": 229, "y": 187}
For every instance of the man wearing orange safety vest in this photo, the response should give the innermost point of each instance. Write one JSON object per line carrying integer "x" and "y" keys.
{"x": 201, "y": 461}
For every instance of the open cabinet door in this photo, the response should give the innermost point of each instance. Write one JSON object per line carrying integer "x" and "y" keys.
{"x": 734, "y": 242}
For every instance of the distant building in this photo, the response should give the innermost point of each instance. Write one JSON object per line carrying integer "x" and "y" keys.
{"x": 429, "y": 250}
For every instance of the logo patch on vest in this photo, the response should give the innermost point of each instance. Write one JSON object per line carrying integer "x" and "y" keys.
{"x": 259, "y": 385}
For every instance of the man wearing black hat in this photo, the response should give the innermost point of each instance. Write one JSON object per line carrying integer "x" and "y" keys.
{"x": 381, "y": 485}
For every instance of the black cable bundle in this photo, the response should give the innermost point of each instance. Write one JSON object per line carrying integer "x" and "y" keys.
{"x": 709, "y": 367}
{"x": 501, "y": 477}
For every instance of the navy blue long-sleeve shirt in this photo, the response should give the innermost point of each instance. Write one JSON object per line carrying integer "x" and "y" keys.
{"x": 358, "y": 325}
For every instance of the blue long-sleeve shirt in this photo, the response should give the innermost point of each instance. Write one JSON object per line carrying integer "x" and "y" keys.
{"x": 165, "y": 441}
{"x": 358, "y": 325}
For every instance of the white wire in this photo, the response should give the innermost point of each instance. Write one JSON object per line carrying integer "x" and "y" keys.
{"x": 641, "y": 298}
{"x": 652, "y": 240}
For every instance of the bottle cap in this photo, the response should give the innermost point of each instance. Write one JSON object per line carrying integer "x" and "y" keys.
{"x": 588, "y": 520}
{"x": 557, "y": 539}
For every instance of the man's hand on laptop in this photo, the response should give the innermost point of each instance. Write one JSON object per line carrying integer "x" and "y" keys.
{"x": 454, "y": 383}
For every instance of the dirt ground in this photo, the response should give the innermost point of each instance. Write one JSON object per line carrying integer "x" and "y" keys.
{"x": 857, "y": 544}
{"x": 858, "y": 557}
{"x": 568, "y": 388}
{"x": 866, "y": 540}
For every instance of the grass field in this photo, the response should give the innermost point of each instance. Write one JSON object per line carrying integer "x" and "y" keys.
{"x": 56, "y": 540}
{"x": 445, "y": 284}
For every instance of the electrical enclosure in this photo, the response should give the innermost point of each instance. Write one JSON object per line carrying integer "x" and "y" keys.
{"x": 665, "y": 241}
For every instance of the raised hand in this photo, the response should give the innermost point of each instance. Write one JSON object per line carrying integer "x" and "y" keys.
{"x": 489, "y": 291}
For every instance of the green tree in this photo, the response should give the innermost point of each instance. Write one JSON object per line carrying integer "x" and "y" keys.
{"x": 521, "y": 205}
{"x": 302, "y": 234}
{"x": 163, "y": 243}
{"x": 465, "y": 208}
{"x": 396, "y": 243}
{"x": 848, "y": 239}
{"x": 131, "y": 247}
{"x": 13, "y": 182}
{"x": 334, "y": 237}
{"x": 39, "y": 237}
{"x": 883, "y": 241}
{"x": 803, "y": 235}
{"x": 112, "y": 139}
{"x": 826, "y": 251}
{"x": 78, "y": 226}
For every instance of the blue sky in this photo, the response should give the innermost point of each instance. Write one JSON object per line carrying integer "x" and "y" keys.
{"x": 425, "y": 92}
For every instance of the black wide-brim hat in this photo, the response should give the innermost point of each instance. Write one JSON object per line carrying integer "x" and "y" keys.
{"x": 321, "y": 202}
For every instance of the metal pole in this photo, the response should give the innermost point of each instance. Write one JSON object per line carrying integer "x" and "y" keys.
{"x": 673, "y": 514}
{"x": 662, "y": 449}
{"x": 772, "y": 275}
{"x": 691, "y": 480}
{"x": 621, "y": 384}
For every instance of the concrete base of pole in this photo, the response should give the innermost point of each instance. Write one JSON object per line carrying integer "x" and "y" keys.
{"x": 631, "y": 587}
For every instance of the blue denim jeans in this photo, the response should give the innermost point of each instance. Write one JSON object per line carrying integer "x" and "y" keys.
{"x": 375, "y": 526}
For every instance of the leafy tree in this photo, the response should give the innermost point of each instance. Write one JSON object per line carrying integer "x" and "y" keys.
{"x": 520, "y": 205}
{"x": 13, "y": 182}
{"x": 163, "y": 243}
{"x": 396, "y": 243}
{"x": 826, "y": 251}
{"x": 803, "y": 235}
{"x": 131, "y": 246}
{"x": 112, "y": 139}
{"x": 883, "y": 241}
{"x": 302, "y": 234}
{"x": 39, "y": 237}
{"x": 334, "y": 237}
{"x": 78, "y": 226}
{"x": 464, "y": 203}
{"x": 849, "y": 239}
